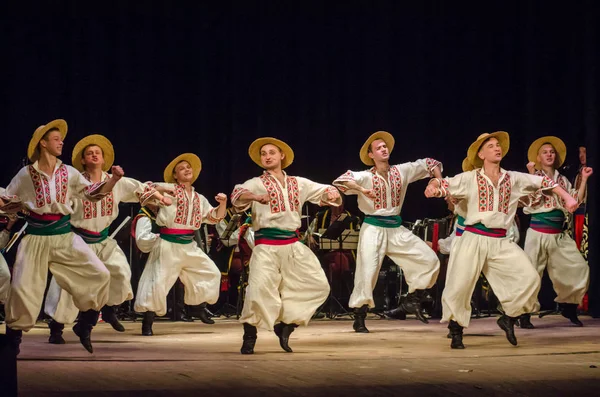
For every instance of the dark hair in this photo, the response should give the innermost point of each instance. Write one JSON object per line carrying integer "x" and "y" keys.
{"x": 89, "y": 146}
{"x": 370, "y": 149}
{"x": 486, "y": 141}
{"x": 45, "y": 136}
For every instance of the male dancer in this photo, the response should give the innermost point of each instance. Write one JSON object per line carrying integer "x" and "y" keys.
{"x": 46, "y": 189}
{"x": 381, "y": 192}
{"x": 146, "y": 233}
{"x": 546, "y": 243}
{"x": 286, "y": 283}
{"x": 492, "y": 195}
{"x": 176, "y": 254}
{"x": 93, "y": 156}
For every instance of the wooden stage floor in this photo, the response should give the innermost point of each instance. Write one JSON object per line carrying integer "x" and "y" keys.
{"x": 398, "y": 358}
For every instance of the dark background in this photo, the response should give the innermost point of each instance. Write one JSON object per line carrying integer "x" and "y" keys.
{"x": 162, "y": 78}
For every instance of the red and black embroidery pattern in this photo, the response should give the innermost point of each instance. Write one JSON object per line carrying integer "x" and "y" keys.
{"x": 61, "y": 181}
{"x": 182, "y": 205}
{"x": 277, "y": 202}
{"x": 504, "y": 191}
{"x": 293, "y": 193}
{"x": 486, "y": 194}
{"x": 396, "y": 186}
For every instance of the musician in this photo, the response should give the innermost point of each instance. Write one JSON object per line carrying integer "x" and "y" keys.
{"x": 46, "y": 189}
{"x": 492, "y": 195}
{"x": 381, "y": 192}
{"x": 286, "y": 283}
{"x": 546, "y": 244}
{"x": 93, "y": 156}
{"x": 175, "y": 254}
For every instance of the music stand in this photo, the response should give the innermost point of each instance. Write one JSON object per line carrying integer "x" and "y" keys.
{"x": 335, "y": 232}
{"x": 227, "y": 308}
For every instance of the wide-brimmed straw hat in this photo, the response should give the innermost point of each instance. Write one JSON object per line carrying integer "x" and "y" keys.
{"x": 193, "y": 161}
{"x": 32, "y": 150}
{"x": 254, "y": 150}
{"x": 383, "y": 135}
{"x": 102, "y": 142}
{"x": 557, "y": 143}
{"x": 501, "y": 136}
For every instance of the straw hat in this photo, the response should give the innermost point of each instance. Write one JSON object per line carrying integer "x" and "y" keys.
{"x": 254, "y": 150}
{"x": 32, "y": 150}
{"x": 364, "y": 150}
{"x": 466, "y": 165}
{"x": 96, "y": 140}
{"x": 191, "y": 158}
{"x": 501, "y": 136}
{"x": 557, "y": 143}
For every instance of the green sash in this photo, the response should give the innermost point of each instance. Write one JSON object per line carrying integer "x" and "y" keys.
{"x": 384, "y": 221}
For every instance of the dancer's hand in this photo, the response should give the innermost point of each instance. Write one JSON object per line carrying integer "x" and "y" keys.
{"x": 333, "y": 195}
{"x": 531, "y": 167}
{"x": 571, "y": 204}
{"x": 166, "y": 201}
{"x": 117, "y": 172}
{"x": 221, "y": 198}
{"x": 262, "y": 198}
{"x": 431, "y": 191}
{"x": 369, "y": 193}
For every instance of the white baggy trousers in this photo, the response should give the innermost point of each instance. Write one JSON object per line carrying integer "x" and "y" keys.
{"x": 419, "y": 263}
{"x": 507, "y": 268}
{"x": 73, "y": 264}
{"x": 59, "y": 304}
{"x": 167, "y": 261}
{"x": 286, "y": 284}
{"x": 567, "y": 269}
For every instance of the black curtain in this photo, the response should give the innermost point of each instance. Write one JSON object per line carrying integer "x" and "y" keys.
{"x": 160, "y": 78}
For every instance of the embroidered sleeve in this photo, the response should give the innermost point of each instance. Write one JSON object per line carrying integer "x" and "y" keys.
{"x": 457, "y": 186}
{"x": 132, "y": 191}
{"x": 236, "y": 201}
{"x": 209, "y": 213}
{"x": 526, "y": 184}
{"x": 417, "y": 170}
{"x": 361, "y": 178}
{"x": 316, "y": 193}
{"x": 82, "y": 188}
{"x": 12, "y": 202}
{"x": 433, "y": 164}
{"x": 348, "y": 176}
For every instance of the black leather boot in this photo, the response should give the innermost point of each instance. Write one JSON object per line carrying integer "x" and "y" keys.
{"x": 203, "y": 314}
{"x": 507, "y": 324}
{"x": 397, "y": 313}
{"x": 411, "y": 304}
{"x": 56, "y": 331}
{"x": 456, "y": 333}
{"x": 569, "y": 310}
{"x": 14, "y": 339}
{"x": 360, "y": 314}
{"x": 147, "y": 323}
{"x": 283, "y": 332}
{"x": 83, "y": 328}
{"x": 524, "y": 321}
{"x": 249, "y": 339}
{"x": 109, "y": 316}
